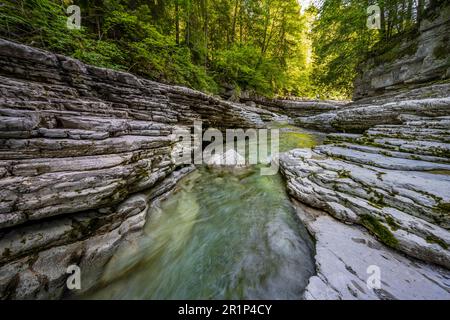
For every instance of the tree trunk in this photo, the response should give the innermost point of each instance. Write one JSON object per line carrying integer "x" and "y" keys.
{"x": 233, "y": 28}
{"x": 177, "y": 22}
{"x": 420, "y": 9}
{"x": 383, "y": 22}
{"x": 206, "y": 30}
{"x": 187, "y": 35}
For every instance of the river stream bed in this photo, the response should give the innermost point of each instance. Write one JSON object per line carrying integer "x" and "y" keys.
{"x": 221, "y": 235}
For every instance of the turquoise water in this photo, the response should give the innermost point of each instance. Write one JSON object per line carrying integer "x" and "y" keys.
{"x": 220, "y": 235}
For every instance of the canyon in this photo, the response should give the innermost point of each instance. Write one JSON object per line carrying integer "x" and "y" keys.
{"x": 86, "y": 152}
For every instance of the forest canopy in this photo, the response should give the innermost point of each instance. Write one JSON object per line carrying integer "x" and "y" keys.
{"x": 227, "y": 47}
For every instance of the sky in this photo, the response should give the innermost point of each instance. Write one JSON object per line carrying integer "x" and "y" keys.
{"x": 304, "y": 3}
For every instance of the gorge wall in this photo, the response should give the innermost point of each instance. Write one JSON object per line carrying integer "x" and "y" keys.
{"x": 411, "y": 60}
{"x": 380, "y": 183}
{"x": 83, "y": 150}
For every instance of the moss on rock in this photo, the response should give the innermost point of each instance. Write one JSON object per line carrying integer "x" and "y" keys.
{"x": 378, "y": 229}
{"x": 439, "y": 241}
{"x": 391, "y": 222}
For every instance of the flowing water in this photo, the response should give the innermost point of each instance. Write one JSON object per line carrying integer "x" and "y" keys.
{"x": 220, "y": 235}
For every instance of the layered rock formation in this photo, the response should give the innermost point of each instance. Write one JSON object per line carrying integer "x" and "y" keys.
{"x": 347, "y": 257}
{"x": 411, "y": 61}
{"x": 83, "y": 150}
{"x": 392, "y": 182}
{"x": 356, "y": 117}
{"x": 294, "y": 108}
{"x": 388, "y": 180}
{"x": 381, "y": 185}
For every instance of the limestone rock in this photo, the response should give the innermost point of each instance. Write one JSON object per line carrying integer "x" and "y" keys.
{"x": 83, "y": 152}
{"x": 356, "y": 118}
{"x": 347, "y": 257}
{"x": 418, "y": 60}
{"x": 399, "y": 193}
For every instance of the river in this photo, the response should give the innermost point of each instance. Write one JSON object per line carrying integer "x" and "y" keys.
{"x": 220, "y": 235}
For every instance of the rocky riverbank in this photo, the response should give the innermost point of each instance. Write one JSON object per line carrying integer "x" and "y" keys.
{"x": 389, "y": 185}
{"x": 85, "y": 151}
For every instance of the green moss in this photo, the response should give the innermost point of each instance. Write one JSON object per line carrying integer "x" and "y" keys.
{"x": 294, "y": 140}
{"x": 439, "y": 241}
{"x": 443, "y": 207}
{"x": 438, "y": 152}
{"x": 382, "y": 233}
{"x": 391, "y": 222}
{"x": 343, "y": 174}
{"x": 373, "y": 203}
{"x": 396, "y": 52}
{"x": 445, "y": 172}
{"x": 380, "y": 175}
{"x": 378, "y": 200}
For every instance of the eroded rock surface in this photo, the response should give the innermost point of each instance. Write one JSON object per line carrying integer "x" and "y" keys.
{"x": 394, "y": 182}
{"x": 348, "y": 258}
{"x": 412, "y": 60}
{"x": 294, "y": 108}
{"x": 387, "y": 180}
{"x": 360, "y": 116}
{"x": 83, "y": 150}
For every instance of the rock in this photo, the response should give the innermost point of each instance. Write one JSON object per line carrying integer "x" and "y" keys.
{"x": 399, "y": 193}
{"x": 347, "y": 257}
{"x": 356, "y": 118}
{"x": 411, "y": 62}
{"x": 83, "y": 152}
{"x": 294, "y": 108}
{"x": 34, "y": 259}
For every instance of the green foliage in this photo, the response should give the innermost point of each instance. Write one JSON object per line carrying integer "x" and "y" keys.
{"x": 252, "y": 45}
{"x": 38, "y": 22}
{"x": 247, "y": 68}
{"x": 341, "y": 40}
{"x": 100, "y": 53}
{"x": 264, "y": 47}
